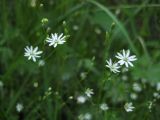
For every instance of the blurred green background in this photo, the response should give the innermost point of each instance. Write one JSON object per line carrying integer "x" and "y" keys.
{"x": 80, "y": 62}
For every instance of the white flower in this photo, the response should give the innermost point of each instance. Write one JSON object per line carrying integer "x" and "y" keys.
{"x": 54, "y": 40}
{"x": 89, "y": 92}
{"x": 19, "y": 107}
{"x": 124, "y": 70}
{"x": 133, "y": 96}
{"x": 104, "y": 107}
{"x": 125, "y": 58}
{"x": 81, "y": 99}
{"x": 158, "y": 86}
{"x": 83, "y": 75}
{"x": 156, "y": 95}
{"x": 75, "y": 27}
{"x": 41, "y": 63}
{"x": 112, "y": 66}
{"x": 128, "y": 107}
{"x": 86, "y": 116}
{"x": 33, "y": 3}
{"x": 97, "y": 31}
{"x": 32, "y": 53}
{"x": 35, "y": 84}
{"x": 137, "y": 87}
{"x": 1, "y": 84}
{"x": 124, "y": 78}
{"x": 81, "y": 117}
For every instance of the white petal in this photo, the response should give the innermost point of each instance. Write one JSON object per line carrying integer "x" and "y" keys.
{"x": 124, "y": 54}
{"x": 126, "y": 64}
{"x": 130, "y": 64}
{"x": 128, "y": 53}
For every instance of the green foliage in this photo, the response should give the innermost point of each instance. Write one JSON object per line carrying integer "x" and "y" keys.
{"x": 96, "y": 31}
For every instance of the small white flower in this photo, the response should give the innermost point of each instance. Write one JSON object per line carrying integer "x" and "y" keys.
{"x": 33, "y": 3}
{"x": 97, "y": 31}
{"x": 81, "y": 99}
{"x": 56, "y": 39}
{"x": 125, "y": 58}
{"x": 137, "y": 87}
{"x": 124, "y": 78}
{"x": 133, "y": 96}
{"x": 75, "y": 27}
{"x": 81, "y": 117}
{"x": 86, "y": 116}
{"x": 113, "y": 66}
{"x": 70, "y": 97}
{"x": 104, "y": 107}
{"x": 19, "y": 107}
{"x": 83, "y": 75}
{"x": 128, "y": 107}
{"x": 41, "y": 63}
{"x": 124, "y": 70}
{"x": 32, "y": 53}
{"x": 35, "y": 84}
{"x": 158, "y": 86}
{"x": 156, "y": 95}
{"x": 89, "y": 92}
{"x": 1, "y": 84}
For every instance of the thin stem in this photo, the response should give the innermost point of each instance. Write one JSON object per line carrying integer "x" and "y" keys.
{"x": 49, "y": 55}
{"x": 134, "y": 6}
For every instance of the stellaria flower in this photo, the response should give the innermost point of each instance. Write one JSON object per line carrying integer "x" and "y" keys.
{"x": 128, "y": 107}
{"x": 89, "y": 92}
{"x": 32, "y": 53}
{"x": 113, "y": 66}
{"x": 137, "y": 87}
{"x": 19, "y": 107}
{"x": 156, "y": 95}
{"x": 86, "y": 116}
{"x": 125, "y": 58}
{"x": 81, "y": 99}
{"x": 124, "y": 78}
{"x": 41, "y": 63}
{"x": 104, "y": 107}
{"x": 75, "y": 27}
{"x": 133, "y": 96}
{"x": 56, "y": 39}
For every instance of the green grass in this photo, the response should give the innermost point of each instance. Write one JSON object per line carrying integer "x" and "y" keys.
{"x": 137, "y": 28}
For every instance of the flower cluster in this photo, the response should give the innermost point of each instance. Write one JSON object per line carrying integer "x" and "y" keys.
{"x": 124, "y": 58}
{"x": 33, "y": 53}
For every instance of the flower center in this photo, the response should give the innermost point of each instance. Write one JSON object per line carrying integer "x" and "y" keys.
{"x": 32, "y": 54}
{"x": 125, "y": 59}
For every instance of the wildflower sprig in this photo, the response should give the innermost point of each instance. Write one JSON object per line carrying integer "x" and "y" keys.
{"x": 124, "y": 58}
{"x": 54, "y": 40}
